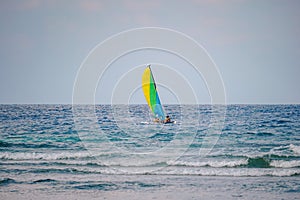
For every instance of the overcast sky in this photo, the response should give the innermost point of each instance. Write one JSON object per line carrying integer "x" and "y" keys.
{"x": 255, "y": 44}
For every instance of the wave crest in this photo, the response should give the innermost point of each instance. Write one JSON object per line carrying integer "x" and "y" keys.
{"x": 295, "y": 149}
{"x": 43, "y": 156}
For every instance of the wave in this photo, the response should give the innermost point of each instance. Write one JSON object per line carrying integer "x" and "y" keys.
{"x": 78, "y": 159}
{"x": 60, "y": 163}
{"x": 31, "y": 145}
{"x": 284, "y": 152}
{"x": 258, "y": 162}
{"x": 6, "y": 181}
{"x": 5, "y": 144}
{"x": 63, "y": 170}
{"x": 285, "y": 164}
{"x": 295, "y": 149}
{"x": 169, "y": 170}
{"x": 249, "y": 162}
{"x": 98, "y": 186}
{"x": 217, "y": 164}
{"x": 43, "y": 156}
{"x": 45, "y": 181}
{"x": 172, "y": 170}
{"x": 240, "y": 172}
{"x": 260, "y": 133}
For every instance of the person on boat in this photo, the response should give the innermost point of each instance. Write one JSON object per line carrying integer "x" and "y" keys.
{"x": 168, "y": 119}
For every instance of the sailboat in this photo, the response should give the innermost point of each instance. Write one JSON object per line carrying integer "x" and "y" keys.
{"x": 152, "y": 97}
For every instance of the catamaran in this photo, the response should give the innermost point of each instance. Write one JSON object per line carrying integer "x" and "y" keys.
{"x": 152, "y": 98}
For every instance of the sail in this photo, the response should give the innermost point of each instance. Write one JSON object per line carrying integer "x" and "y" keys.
{"x": 151, "y": 95}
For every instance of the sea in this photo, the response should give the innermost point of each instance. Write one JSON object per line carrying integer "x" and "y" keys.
{"x": 118, "y": 152}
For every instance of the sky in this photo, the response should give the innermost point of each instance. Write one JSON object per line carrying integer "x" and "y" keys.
{"x": 255, "y": 45}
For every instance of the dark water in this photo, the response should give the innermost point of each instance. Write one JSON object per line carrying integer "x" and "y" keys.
{"x": 53, "y": 148}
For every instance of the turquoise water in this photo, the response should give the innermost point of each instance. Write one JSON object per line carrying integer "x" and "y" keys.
{"x": 49, "y": 148}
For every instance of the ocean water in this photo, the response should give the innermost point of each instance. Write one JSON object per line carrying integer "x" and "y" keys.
{"x": 114, "y": 152}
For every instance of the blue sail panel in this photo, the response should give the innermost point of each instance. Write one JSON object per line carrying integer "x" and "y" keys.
{"x": 158, "y": 110}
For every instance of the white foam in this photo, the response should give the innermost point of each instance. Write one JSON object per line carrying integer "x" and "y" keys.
{"x": 217, "y": 164}
{"x": 295, "y": 149}
{"x": 171, "y": 170}
{"x": 285, "y": 164}
{"x": 42, "y": 156}
{"x": 236, "y": 172}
